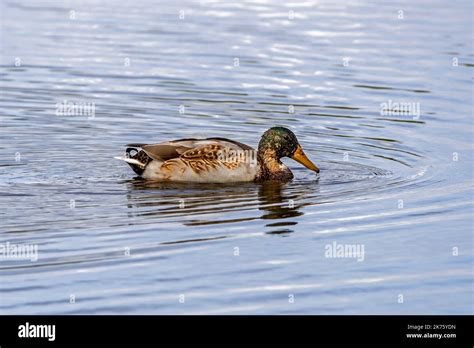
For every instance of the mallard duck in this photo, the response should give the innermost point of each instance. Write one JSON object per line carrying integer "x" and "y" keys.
{"x": 218, "y": 160}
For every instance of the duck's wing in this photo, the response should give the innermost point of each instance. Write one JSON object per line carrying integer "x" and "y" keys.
{"x": 211, "y": 162}
{"x": 174, "y": 149}
{"x": 217, "y": 155}
{"x": 194, "y": 160}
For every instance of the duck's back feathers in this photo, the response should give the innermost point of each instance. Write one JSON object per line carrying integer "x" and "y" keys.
{"x": 194, "y": 160}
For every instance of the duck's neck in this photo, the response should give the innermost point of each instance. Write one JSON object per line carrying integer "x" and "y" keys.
{"x": 271, "y": 168}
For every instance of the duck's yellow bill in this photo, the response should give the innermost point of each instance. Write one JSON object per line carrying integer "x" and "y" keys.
{"x": 299, "y": 156}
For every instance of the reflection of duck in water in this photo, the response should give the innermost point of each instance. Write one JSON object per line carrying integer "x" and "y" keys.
{"x": 280, "y": 204}
{"x": 277, "y": 207}
{"x": 218, "y": 160}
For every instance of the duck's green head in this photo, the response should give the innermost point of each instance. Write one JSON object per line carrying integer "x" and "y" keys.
{"x": 282, "y": 142}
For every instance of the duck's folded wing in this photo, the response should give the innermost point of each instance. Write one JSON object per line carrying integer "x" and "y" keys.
{"x": 217, "y": 155}
{"x": 173, "y": 149}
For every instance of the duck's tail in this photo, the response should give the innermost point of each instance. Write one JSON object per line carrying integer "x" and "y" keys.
{"x": 136, "y": 159}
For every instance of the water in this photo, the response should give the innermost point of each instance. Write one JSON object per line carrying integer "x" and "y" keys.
{"x": 398, "y": 185}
